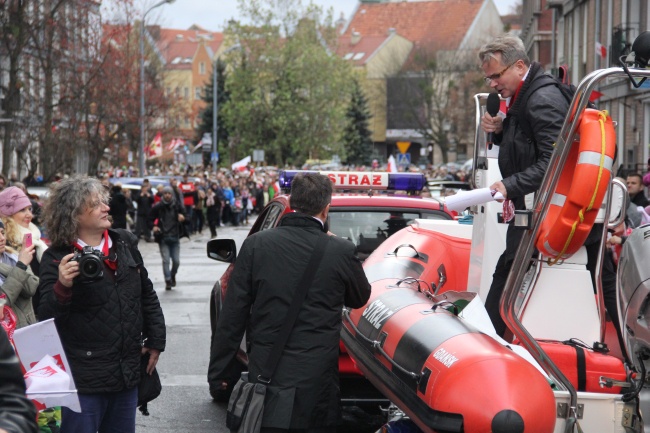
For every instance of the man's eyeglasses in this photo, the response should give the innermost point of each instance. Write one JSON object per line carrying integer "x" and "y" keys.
{"x": 489, "y": 79}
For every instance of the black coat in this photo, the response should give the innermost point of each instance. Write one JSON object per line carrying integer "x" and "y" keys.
{"x": 103, "y": 325}
{"x": 118, "y": 210}
{"x": 165, "y": 216}
{"x": 17, "y": 413}
{"x": 304, "y": 391}
{"x": 522, "y": 161}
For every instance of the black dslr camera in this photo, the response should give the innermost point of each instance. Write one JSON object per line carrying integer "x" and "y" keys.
{"x": 91, "y": 263}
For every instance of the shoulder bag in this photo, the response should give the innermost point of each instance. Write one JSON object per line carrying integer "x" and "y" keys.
{"x": 246, "y": 405}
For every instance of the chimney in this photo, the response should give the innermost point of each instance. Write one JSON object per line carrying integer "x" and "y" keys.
{"x": 340, "y": 23}
{"x": 356, "y": 37}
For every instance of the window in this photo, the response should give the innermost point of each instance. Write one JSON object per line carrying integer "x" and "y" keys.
{"x": 367, "y": 229}
{"x": 202, "y": 68}
{"x": 197, "y": 93}
{"x": 273, "y": 213}
{"x": 186, "y": 92}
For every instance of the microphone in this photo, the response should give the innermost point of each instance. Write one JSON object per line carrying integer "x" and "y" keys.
{"x": 493, "y": 104}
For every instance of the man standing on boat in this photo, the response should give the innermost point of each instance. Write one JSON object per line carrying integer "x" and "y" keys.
{"x": 534, "y": 117}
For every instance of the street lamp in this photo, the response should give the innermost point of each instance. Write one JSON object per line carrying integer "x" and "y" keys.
{"x": 215, "y": 107}
{"x": 142, "y": 25}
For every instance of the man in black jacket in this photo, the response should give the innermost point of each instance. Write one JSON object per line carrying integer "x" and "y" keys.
{"x": 304, "y": 394}
{"x": 145, "y": 203}
{"x": 106, "y": 322}
{"x": 167, "y": 217}
{"x": 523, "y": 160}
{"x": 17, "y": 413}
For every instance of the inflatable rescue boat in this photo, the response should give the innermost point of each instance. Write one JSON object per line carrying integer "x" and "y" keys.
{"x": 419, "y": 338}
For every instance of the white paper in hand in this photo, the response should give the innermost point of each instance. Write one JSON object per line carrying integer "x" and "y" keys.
{"x": 464, "y": 199}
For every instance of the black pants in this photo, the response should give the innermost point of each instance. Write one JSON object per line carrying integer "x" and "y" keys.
{"x": 212, "y": 212}
{"x": 493, "y": 300}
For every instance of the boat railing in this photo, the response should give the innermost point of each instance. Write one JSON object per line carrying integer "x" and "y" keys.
{"x": 526, "y": 248}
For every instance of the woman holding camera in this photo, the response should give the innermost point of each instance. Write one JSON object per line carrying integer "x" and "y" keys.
{"x": 102, "y": 317}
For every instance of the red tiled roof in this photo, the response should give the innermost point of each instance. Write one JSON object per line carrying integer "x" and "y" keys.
{"x": 436, "y": 24}
{"x": 366, "y": 46}
{"x": 179, "y": 45}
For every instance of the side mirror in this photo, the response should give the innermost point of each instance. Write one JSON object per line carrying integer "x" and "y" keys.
{"x": 222, "y": 250}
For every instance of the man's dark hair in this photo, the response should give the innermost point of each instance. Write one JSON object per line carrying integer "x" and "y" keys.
{"x": 636, "y": 175}
{"x": 310, "y": 193}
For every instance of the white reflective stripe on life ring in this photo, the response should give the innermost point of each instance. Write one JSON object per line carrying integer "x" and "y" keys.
{"x": 593, "y": 158}
{"x": 558, "y": 199}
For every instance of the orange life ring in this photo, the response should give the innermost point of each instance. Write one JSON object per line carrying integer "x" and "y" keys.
{"x": 581, "y": 188}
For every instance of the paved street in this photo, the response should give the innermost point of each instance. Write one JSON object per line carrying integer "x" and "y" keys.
{"x": 185, "y": 404}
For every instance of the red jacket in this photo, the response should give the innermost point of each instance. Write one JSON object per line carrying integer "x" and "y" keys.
{"x": 188, "y": 193}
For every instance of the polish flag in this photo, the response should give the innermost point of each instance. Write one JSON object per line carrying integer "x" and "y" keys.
{"x": 392, "y": 165}
{"x": 155, "y": 147}
{"x": 601, "y": 50}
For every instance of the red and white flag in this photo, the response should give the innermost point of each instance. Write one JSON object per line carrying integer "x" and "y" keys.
{"x": 155, "y": 147}
{"x": 392, "y": 165}
{"x": 601, "y": 50}
{"x": 171, "y": 146}
{"x": 47, "y": 372}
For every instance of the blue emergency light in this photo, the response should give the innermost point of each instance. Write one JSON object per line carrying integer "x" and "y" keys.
{"x": 362, "y": 180}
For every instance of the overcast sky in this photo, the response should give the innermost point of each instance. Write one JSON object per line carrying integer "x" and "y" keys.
{"x": 212, "y": 14}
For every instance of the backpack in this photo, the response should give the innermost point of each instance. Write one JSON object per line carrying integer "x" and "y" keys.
{"x": 562, "y": 83}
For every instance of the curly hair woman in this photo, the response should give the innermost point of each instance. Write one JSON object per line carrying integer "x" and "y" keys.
{"x": 103, "y": 319}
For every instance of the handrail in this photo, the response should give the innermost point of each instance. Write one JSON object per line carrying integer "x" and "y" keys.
{"x": 477, "y": 137}
{"x": 527, "y": 245}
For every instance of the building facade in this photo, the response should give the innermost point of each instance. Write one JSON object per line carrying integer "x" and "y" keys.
{"x": 590, "y": 35}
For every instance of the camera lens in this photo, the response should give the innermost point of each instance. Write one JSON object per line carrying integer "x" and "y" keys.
{"x": 90, "y": 268}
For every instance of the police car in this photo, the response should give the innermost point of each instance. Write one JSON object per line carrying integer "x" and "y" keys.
{"x": 366, "y": 208}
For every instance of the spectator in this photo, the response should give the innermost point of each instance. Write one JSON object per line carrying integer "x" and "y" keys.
{"x": 158, "y": 195}
{"x": 16, "y": 210}
{"x": 106, "y": 323}
{"x": 3, "y": 182}
{"x": 213, "y": 208}
{"x": 509, "y": 71}
{"x": 17, "y": 281}
{"x": 635, "y": 190}
{"x": 307, "y": 398}
{"x": 188, "y": 190}
{"x": 167, "y": 218}
{"x": 36, "y": 206}
{"x": 199, "y": 204}
{"x": 17, "y": 412}
{"x": 119, "y": 207}
{"x": 145, "y": 203}
{"x": 228, "y": 202}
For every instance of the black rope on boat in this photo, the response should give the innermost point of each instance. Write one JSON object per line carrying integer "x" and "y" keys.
{"x": 377, "y": 346}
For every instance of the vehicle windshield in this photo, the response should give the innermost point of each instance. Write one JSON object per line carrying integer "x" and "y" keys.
{"x": 368, "y": 229}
